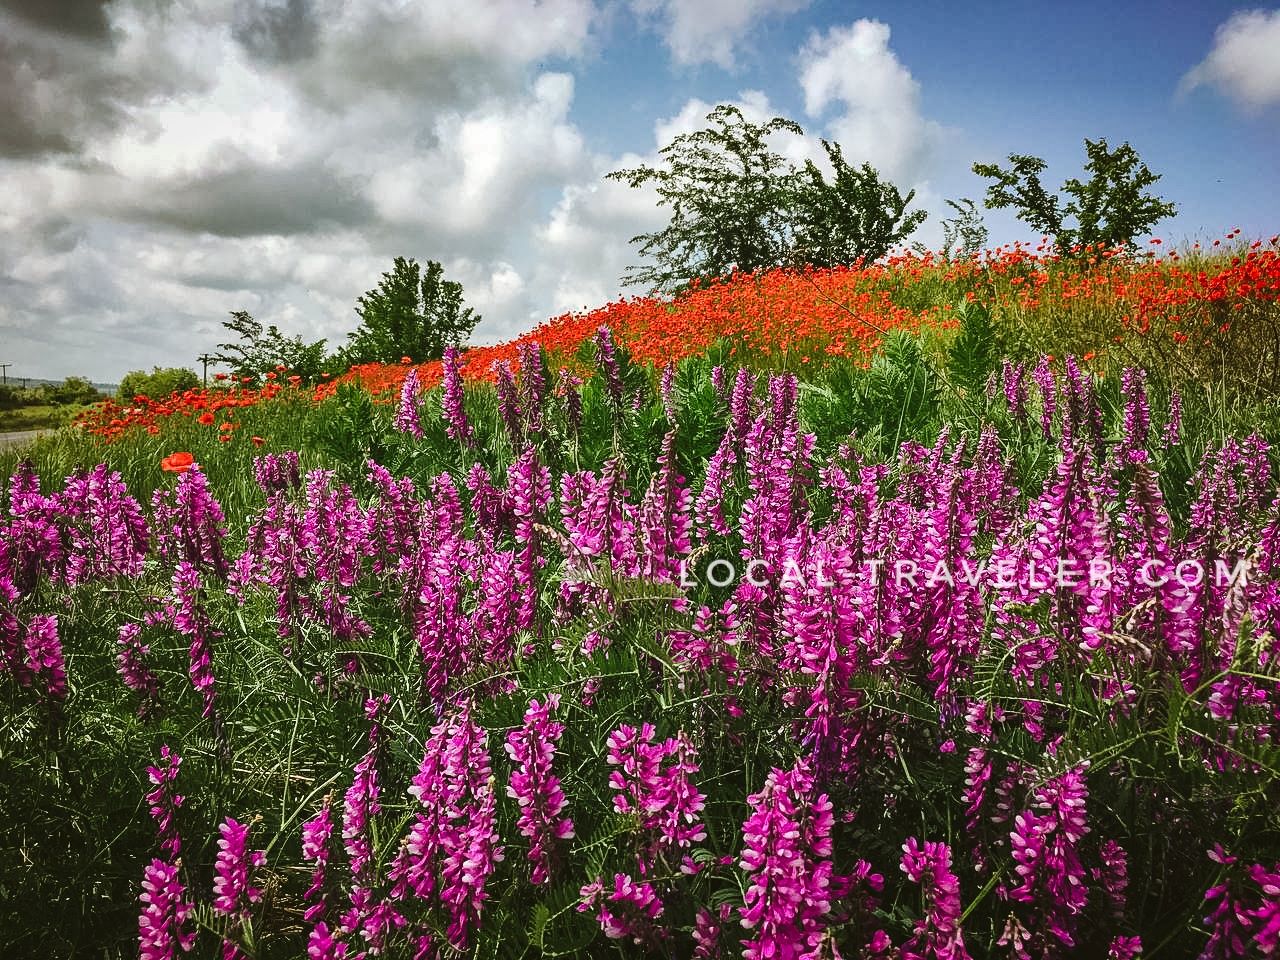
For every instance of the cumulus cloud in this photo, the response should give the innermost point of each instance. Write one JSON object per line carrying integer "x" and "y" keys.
{"x": 868, "y": 100}
{"x": 1244, "y": 62}
{"x": 709, "y": 31}
{"x": 165, "y": 165}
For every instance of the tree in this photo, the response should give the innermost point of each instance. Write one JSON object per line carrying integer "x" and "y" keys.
{"x": 1109, "y": 208}
{"x": 857, "y": 216}
{"x": 74, "y": 390}
{"x": 410, "y": 314}
{"x": 965, "y": 234}
{"x": 737, "y": 204}
{"x": 158, "y": 384}
{"x": 260, "y": 350}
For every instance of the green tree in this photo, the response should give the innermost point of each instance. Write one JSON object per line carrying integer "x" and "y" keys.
{"x": 964, "y": 234}
{"x": 74, "y": 390}
{"x": 1110, "y": 208}
{"x": 157, "y": 384}
{"x": 737, "y": 204}
{"x": 261, "y": 349}
{"x": 857, "y": 216}
{"x": 411, "y": 314}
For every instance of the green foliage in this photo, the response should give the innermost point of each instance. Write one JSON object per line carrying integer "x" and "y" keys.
{"x": 158, "y": 384}
{"x": 260, "y": 350}
{"x": 896, "y": 399}
{"x": 736, "y": 204}
{"x": 410, "y": 314}
{"x": 729, "y": 195}
{"x": 74, "y": 391}
{"x": 975, "y": 353}
{"x": 351, "y": 432}
{"x": 1109, "y": 208}
{"x": 964, "y": 235}
{"x": 856, "y": 216}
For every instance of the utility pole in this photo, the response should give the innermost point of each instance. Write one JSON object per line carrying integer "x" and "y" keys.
{"x": 206, "y": 359}
{"x": 4, "y": 372}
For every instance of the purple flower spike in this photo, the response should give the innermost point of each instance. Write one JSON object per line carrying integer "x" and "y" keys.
{"x": 162, "y": 922}
{"x": 535, "y": 788}
{"x": 407, "y": 420}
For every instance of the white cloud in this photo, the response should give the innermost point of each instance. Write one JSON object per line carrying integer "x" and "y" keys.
{"x": 584, "y": 242}
{"x": 1244, "y": 63}
{"x": 260, "y": 155}
{"x": 878, "y": 120}
{"x": 709, "y": 31}
{"x": 485, "y": 167}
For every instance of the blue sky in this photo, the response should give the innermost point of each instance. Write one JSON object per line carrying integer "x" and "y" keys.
{"x": 163, "y": 165}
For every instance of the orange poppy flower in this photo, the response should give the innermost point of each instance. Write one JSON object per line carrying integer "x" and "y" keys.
{"x": 406, "y": 360}
{"x": 178, "y": 462}
{"x": 257, "y": 441}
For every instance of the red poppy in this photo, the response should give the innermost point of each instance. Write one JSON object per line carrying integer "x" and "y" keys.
{"x": 219, "y": 376}
{"x": 295, "y": 379}
{"x": 225, "y": 427}
{"x": 206, "y": 418}
{"x": 281, "y": 367}
{"x": 257, "y": 441}
{"x": 178, "y": 462}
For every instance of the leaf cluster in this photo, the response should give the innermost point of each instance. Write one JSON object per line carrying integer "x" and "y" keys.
{"x": 738, "y": 205}
{"x": 412, "y": 313}
{"x": 1110, "y": 208}
{"x": 260, "y": 350}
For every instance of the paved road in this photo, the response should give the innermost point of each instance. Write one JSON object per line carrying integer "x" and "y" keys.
{"x": 19, "y": 438}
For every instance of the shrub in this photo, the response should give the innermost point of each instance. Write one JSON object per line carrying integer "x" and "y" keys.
{"x": 158, "y": 384}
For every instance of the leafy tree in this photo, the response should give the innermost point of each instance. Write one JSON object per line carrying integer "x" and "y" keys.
{"x": 1110, "y": 208}
{"x": 157, "y": 384}
{"x": 964, "y": 234}
{"x": 410, "y": 314}
{"x": 74, "y": 390}
{"x": 855, "y": 216}
{"x": 737, "y": 204}
{"x": 260, "y": 350}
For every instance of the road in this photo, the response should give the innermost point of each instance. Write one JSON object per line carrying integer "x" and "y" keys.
{"x": 18, "y": 439}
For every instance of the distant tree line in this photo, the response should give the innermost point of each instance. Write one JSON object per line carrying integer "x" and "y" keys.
{"x": 73, "y": 391}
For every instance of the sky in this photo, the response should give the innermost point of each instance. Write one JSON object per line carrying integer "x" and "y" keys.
{"x": 166, "y": 162}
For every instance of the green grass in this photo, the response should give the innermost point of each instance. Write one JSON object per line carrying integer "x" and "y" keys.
{"x": 37, "y": 417}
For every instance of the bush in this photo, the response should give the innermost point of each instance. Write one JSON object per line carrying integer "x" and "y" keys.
{"x": 158, "y": 384}
{"x": 74, "y": 391}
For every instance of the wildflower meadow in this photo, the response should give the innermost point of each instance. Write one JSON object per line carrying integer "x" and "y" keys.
{"x": 924, "y": 610}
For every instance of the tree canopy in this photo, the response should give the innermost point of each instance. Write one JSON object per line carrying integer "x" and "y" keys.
{"x": 261, "y": 349}
{"x": 738, "y": 204}
{"x": 410, "y": 314}
{"x": 1110, "y": 208}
